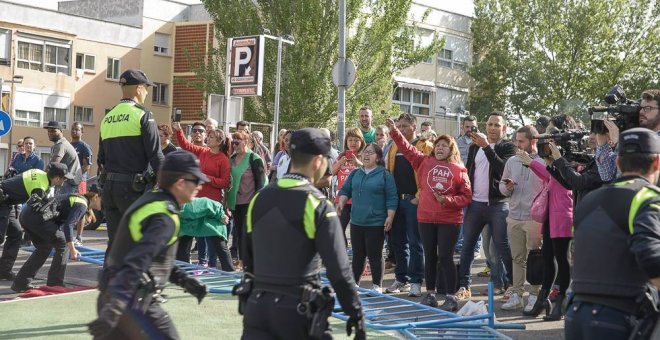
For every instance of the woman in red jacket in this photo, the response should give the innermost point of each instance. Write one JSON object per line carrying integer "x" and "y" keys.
{"x": 444, "y": 192}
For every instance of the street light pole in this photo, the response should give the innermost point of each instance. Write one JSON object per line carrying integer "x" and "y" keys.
{"x": 341, "y": 94}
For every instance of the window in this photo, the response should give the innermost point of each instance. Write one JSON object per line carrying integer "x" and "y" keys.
{"x": 113, "y": 69}
{"x": 27, "y": 118}
{"x": 161, "y": 43}
{"x": 159, "y": 94}
{"x": 30, "y": 56}
{"x": 459, "y": 65}
{"x": 412, "y": 101}
{"x": 59, "y": 115}
{"x": 5, "y": 46}
{"x": 86, "y": 62}
{"x": 445, "y": 58}
{"x": 57, "y": 59}
{"x": 83, "y": 114}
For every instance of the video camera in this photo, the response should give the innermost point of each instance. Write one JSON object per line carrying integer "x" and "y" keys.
{"x": 624, "y": 111}
{"x": 572, "y": 144}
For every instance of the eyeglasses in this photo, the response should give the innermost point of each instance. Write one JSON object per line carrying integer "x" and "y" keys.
{"x": 648, "y": 108}
{"x": 198, "y": 130}
{"x": 197, "y": 181}
{"x": 368, "y": 153}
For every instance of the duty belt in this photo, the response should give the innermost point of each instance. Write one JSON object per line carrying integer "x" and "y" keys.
{"x": 289, "y": 290}
{"x": 117, "y": 177}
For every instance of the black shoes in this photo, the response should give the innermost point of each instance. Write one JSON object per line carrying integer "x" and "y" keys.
{"x": 21, "y": 289}
{"x": 8, "y": 276}
{"x": 557, "y": 312}
{"x": 542, "y": 303}
{"x": 450, "y": 305}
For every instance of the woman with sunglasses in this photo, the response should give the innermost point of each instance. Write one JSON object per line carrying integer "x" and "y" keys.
{"x": 214, "y": 163}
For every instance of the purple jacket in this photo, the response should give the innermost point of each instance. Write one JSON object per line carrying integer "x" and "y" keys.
{"x": 560, "y": 200}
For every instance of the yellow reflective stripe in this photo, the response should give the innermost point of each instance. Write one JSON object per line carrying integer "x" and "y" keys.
{"x": 620, "y": 184}
{"x": 637, "y": 202}
{"x": 248, "y": 222}
{"x": 147, "y": 210}
{"x": 654, "y": 206}
{"x": 73, "y": 199}
{"x": 331, "y": 214}
{"x": 35, "y": 179}
{"x": 122, "y": 121}
{"x": 308, "y": 218}
{"x": 287, "y": 183}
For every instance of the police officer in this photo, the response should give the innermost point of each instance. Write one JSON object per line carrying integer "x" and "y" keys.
{"x": 142, "y": 258}
{"x": 48, "y": 233}
{"x": 617, "y": 247}
{"x": 129, "y": 143}
{"x": 16, "y": 191}
{"x": 283, "y": 244}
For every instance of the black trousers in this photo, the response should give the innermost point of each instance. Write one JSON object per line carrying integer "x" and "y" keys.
{"x": 589, "y": 321}
{"x": 117, "y": 197}
{"x": 240, "y": 215}
{"x": 368, "y": 242}
{"x": 11, "y": 228}
{"x": 274, "y": 316}
{"x": 439, "y": 241}
{"x": 344, "y": 219}
{"x": 217, "y": 247}
{"x": 555, "y": 249}
{"x": 44, "y": 244}
{"x": 154, "y": 323}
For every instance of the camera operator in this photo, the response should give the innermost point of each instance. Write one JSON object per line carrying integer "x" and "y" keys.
{"x": 606, "y": 152}
{"x": 582, "y": 178}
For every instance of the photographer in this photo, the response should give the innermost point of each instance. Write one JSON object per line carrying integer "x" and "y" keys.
{"x": 606, "y": 152}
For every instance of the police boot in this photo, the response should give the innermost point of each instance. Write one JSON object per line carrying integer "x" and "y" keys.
{"x": 557, "y": 312}
{"x": 542, "y": 303}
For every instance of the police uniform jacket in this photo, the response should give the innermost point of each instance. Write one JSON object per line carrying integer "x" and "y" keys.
{"x": 71, "y": 209}
{"x": 286, "y": 242}
{"x": 19, "y": 188}
{"x": 617, "y": 243}
{"x": 129, "y": 140}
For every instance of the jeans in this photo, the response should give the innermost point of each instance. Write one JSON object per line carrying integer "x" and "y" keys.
{"x": 459, "y": 242}
{"x": 590, "y": 321}
{"x": 407, "y": 243}
{"x": 480, "y": 214}
{"x": 490, "y": 251}
{"x": 202, "y": 257}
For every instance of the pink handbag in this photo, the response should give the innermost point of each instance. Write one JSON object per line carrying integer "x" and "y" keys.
{"x": 540, "y": 205}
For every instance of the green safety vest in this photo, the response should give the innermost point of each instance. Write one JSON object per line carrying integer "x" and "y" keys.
{"x": 35, "y": 179}
{"x": 643, "y": 195}
{"x": 122, "y": 121}
{"x": 73, "y": 199}
{"x": 143, "y": 212}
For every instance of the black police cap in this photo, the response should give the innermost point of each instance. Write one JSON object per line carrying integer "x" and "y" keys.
{"x": 183, "y": 161}
{"x": 134, "y": 77}
{"x": 639, "y": 140}
{"x": 310, "y": 141}
{"x": 59, "y": 170}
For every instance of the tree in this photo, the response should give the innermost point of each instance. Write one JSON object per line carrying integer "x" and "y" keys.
{"x": 380, "y": 40}
{"x": 545, "y": 56}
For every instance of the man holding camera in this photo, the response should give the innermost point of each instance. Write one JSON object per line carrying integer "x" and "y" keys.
{"x": 617, "y": 242}
{"x": 649, "y": 117}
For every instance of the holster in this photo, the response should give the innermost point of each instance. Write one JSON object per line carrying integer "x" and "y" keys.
{"x": 139, "y": 183}
{"x": 144, "y": 294}
{"x": 243, "y": 291}
{"x": 647, "y": 317}
{"x": 321, "y": 303}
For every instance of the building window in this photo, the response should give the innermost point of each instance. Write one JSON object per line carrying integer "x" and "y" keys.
{"x": 113, "y": 69}
{"x": 445, "y": 58}
{"x": 86, "y": 62}
{"x": 83, "y": 114}
{"x": 30, "y": 56}
{"x": 459, "y": 65}
{"x": 162, "y": 43}
{"x": 5, "y": 46}
{"x": 159, "y": 94}
{"x": 412, "y": 101}
{"x": 57, "y": 59}
{"x": 58, "y": 115}
{"x": 27, "y": 118}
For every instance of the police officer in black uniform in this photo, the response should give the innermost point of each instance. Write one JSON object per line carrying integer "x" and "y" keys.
{"x": 48, "y": 230}
{"x": 289, "y": 224}
{"x": 617, "y": 248}
{"x": 128, "y": 145}
{"x": 16, "y": 191}
{"x": 141, "y": 260}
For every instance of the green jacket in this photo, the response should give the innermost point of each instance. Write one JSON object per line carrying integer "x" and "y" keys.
{"x": 203, "y": 217}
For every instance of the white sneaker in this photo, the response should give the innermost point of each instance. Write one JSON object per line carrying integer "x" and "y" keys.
{"x": 531, "y": 301}
{"x": 415, "y": 290}
{"x": 377, "y": 289}
{"x": 78, "y": 242}
{"x": 515, "y": 302}
{"x": 398, "y": 287}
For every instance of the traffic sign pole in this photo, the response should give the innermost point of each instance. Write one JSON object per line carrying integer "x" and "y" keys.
{"x": 225, "y": 123}
{"x": 341, "y": 94}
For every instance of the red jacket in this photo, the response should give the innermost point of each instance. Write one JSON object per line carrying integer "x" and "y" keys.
{"x": 449, "y": 179}
{"x": 214, "y": 165}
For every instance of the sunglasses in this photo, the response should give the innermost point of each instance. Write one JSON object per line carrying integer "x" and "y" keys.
{"x": 197, "y": 181}
{"x": 198, "y": 130}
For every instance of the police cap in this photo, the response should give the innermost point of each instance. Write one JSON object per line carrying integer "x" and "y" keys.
{"x": 310, "y": 141}
{"x": 183, "y": 161}
{"x": 134, "y": 77}
{"x": 639, "y": 140}
{"x": 58, "y": 170}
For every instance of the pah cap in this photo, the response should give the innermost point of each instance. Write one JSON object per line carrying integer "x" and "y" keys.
{"x": 639, "y": 140}
{"x": 183, "y": 161}
{"x": 134, "y": 77}
{"x": 310, "y": 141}
{"x": 59, "y": 170}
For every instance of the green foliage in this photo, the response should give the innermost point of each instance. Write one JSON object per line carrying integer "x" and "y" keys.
{"x": 536, "y": 57}
{"x": 379, "y": 41}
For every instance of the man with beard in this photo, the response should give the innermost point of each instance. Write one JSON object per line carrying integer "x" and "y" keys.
{"x": 63, "y": 152}
{"x": 368, "y": 131}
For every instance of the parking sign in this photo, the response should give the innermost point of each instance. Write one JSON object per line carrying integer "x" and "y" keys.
{"x": 246, "y": 66}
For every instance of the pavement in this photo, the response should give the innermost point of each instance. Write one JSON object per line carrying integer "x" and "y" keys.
{"x": 81, "y": 274}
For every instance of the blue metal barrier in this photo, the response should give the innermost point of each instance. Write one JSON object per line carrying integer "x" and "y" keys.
{"x": 454, "y": 333}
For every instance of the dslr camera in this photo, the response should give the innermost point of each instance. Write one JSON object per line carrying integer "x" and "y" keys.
{"x": 572, "y": 144}
{"x": 624, "y": 111}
